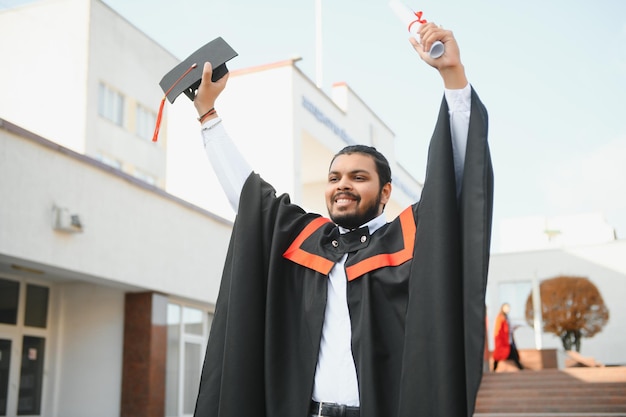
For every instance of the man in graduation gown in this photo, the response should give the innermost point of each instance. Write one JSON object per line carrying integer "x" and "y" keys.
{"x": 353, "y": 316}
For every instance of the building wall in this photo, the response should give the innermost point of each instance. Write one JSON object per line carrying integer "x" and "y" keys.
{"x": 44, "y": 69}
{"x": 189, "y": 174}
{"x": 258, "y": 112}
{"x": 89, "y": 350}
{"x": 134, "y": 235}
{"x": 366, "y": 127}
{"x": 63, "y": 50}
{"x": 131, "y": 63}
{"x": 370, "y": 130}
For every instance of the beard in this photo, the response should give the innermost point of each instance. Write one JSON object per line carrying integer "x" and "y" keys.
{"x": 359, "y": 217}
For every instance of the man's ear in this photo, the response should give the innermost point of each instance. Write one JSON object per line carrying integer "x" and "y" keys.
{"x": 385, "y": 193}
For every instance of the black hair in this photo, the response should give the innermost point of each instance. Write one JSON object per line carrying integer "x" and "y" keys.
{"x": 382, "y": 165}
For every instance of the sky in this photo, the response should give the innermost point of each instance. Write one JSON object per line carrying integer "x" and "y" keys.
{"x": 552, "y": 74}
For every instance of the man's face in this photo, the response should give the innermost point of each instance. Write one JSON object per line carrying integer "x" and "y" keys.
{"x": 353, "y": 193}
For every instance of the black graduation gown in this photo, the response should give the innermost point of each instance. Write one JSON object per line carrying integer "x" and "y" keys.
{"x": 416, "y": 296}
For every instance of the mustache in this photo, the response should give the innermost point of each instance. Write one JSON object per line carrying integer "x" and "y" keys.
{"x": 346, "y": 194}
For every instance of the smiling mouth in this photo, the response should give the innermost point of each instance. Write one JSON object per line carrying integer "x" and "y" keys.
{"x": 345, "y": 199}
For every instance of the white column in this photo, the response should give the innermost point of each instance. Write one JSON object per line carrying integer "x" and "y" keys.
{"x": 537, "y": 321}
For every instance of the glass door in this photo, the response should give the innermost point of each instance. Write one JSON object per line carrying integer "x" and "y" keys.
{"x": 31, "y": 376}
{"x": 23, "y": 333}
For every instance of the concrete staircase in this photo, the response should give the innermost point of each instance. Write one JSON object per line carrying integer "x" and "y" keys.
{"x": 569, "y": 392}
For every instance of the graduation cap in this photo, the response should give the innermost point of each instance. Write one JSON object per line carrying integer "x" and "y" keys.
{"x": 186, "y": 76}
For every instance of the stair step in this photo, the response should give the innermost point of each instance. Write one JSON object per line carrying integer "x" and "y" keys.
{"x": 561, "y": 405}
{"x": 568, "y": 392}
{"x": 553, "y": 389}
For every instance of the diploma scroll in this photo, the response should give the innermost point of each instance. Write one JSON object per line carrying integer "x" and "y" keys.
{"x": 412, "y": 21}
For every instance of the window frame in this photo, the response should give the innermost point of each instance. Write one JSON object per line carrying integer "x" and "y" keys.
{"x": 111, "y": 104}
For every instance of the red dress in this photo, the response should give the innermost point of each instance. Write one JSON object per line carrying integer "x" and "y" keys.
{"x": 502, "y": 339}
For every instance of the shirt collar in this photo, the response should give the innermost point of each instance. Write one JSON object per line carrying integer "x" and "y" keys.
{"x": 373, "y": 225}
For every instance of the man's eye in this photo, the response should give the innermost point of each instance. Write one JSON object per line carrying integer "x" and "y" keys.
{"x": 332, "y": 179}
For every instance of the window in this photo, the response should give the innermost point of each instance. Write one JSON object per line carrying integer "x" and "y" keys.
{"x": 110, "y": 104}
{"x": 515, "y": 293}
{"x": 110, "y": 161}
{"x": 9, "y": 295}
{"x": 23, "y": 329}
{"x": 187, "y": 333}
{"x": 139, "y": 174}
{"x": 36, "y": 314}
{"x": 146, "y": 121}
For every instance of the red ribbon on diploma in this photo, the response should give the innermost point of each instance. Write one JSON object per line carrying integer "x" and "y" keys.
{"x": 418, "y": 20}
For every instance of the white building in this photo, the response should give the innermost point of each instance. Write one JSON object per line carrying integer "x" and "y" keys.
{"x": 91, "y": 305}
{"x": 111, "y": 250}
{"x": 77, "y": 73}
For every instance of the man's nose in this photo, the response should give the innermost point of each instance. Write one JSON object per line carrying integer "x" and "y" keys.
{"x": 344, "y": 184}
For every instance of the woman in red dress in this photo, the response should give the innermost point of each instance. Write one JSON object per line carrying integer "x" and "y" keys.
{"x": 503, "y": 337}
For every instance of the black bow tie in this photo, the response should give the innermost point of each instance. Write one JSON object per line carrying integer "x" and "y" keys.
{"x": 352, "y": 241}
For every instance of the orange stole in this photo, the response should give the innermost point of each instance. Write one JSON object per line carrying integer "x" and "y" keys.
{"x": 322, "y": 265}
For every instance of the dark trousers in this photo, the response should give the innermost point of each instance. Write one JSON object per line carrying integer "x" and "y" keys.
{"x": 513, "y": 355}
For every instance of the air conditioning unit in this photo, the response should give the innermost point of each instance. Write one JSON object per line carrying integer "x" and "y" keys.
{"x": 64, "y": 221}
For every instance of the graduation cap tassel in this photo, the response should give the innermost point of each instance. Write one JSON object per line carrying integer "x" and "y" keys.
{"x": 160, "y": 114}
{"x": 158, "y": 121}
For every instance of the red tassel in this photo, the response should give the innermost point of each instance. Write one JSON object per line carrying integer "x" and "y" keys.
{"x": 160, "y": 114}
{"x": 158, "y": 121}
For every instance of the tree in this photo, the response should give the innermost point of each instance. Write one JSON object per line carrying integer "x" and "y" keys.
{"x": 571, "y": 308}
